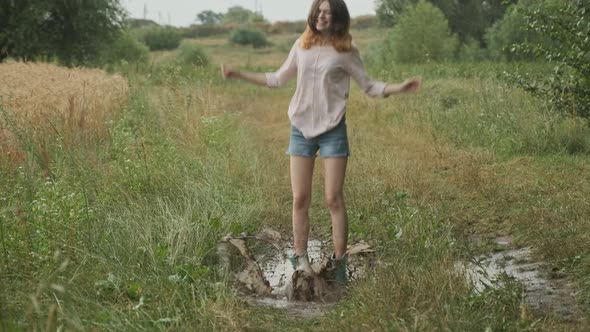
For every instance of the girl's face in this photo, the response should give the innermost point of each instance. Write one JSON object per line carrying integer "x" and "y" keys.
{"x": 324, "y": 21}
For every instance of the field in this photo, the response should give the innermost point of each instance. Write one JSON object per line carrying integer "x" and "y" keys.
{"x": 113, "y": 225}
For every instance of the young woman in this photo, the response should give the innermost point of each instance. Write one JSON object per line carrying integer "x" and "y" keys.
{"x": 323, "y": 59}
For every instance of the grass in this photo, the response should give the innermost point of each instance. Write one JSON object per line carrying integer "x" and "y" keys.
{"x": 122, "y": 236}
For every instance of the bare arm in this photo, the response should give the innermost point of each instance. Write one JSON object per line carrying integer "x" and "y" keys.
{"x": 256, "y": 78}
{"x": 410, "y": 85}
{"x": 272, "y": 80}
{"x": 377, "y": 89}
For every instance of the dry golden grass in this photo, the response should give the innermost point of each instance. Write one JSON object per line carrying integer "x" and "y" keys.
{"x": 43, "y": 101}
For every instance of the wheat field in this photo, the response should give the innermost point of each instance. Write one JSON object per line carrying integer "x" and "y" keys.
{"x": 48, "y": 102}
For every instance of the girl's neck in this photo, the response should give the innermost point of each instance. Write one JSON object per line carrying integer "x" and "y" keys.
{"x": 325, "y": 39}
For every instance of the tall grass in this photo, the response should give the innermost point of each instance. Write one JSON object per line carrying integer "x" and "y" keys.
{"x": 139, "y": 220}
{"x": 474, "y": 105}
{"x": 122, "y": 236}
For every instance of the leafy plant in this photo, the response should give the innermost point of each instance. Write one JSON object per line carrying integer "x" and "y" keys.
{"x": 126, "y": 48}
{"x": 467, "y": 19}
{"x": 567, "y": 88}
{"x": 471, "y": 51}
{"x": 72, "y": 31}
{"x": 255, "y": 38}
{"x": 511, "y": 30}
{"x": 413, "y": 41}
{"x": 192, "y": 54}
{"x": 162, "y": 38}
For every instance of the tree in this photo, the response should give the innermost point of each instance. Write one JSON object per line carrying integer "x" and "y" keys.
{"x": 413, "y": 41}
{"x": 389, "y": 11}
{"x": 567, "y": 25}
{"x": 468, "y": 19}
{"x": 511, "y": 30}
{"x": 241, "y": 16}
{"x": 74, "y": 31}
{"x": 237, "y": 15}
{"x": 209, "y": 17}
{"x": 21, "y": 32}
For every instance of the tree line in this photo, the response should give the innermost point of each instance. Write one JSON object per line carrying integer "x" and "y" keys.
{"x": 73, "y": 31}
{"x": 466, "y": 18}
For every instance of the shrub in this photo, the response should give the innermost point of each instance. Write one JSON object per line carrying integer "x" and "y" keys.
{"x": 255, "y": 38}
{"x": 162, "y": 38}
{"x": 567, "y": 88}
{"x": 471, "y": 51}
{"x": 507, "y": 32}
{"x": 126, "y": 47}
{"x": 411, "y": 40}
{"x": 192, "y": 54}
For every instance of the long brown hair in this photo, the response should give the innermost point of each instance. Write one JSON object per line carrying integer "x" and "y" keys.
{"x": 339, "y": 29}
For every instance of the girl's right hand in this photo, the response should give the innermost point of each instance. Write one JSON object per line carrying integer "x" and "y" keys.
{"x": 226, "y": 71}
{"x": 411, "y": 85}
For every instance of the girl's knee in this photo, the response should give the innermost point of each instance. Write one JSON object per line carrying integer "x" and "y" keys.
{"x": 335, "y": 201}
{"x": 301, "y": 201}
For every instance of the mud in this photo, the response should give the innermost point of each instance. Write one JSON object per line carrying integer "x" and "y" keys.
{"x": 541, "y": 293}
{"x": 260, "y": 266}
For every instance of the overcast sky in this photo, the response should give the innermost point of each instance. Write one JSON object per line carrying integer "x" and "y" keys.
{"x": 184, "y": 12}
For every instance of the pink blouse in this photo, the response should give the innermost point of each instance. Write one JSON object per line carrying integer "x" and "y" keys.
{"x": 323, "y": 83}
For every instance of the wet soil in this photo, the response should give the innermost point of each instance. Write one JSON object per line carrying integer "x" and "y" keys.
{"x": 268, "y": 277}
{"x": 262, "y": 269}
{"x": 541, "y": 293}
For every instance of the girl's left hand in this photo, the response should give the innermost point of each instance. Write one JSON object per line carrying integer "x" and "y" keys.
{"x": 226, "y": 71}
{"x": 411, "y": 85}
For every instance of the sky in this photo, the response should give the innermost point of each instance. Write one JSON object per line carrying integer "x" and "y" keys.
{"x": 184, "y": 12}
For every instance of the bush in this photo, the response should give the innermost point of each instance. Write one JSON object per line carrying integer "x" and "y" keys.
{"x": 192, "y": 54}
{"x": 413, "y": 40}
{"x": 471, "y": 51}
{"x": 567, "y": 24}
{"x": 162, "y": 38}
{"x": 507, "y": 32}
{"x": 255, "y": 38}
{"x": 126, "y": 47}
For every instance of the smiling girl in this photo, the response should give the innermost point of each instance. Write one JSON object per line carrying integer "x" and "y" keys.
{"x": 324, "y": 60}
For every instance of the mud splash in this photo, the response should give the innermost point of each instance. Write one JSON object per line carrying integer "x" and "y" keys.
{"x": 542, "y": 294}
{"x": 261, "y": 269}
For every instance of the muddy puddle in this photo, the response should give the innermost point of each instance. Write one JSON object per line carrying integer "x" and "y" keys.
{"x": 541, "y": 293}
{"x": 260, "y": 267}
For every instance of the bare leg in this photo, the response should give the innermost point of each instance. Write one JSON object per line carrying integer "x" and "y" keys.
{"x": 335, "y": 170}
{"x": 301, "y": 177}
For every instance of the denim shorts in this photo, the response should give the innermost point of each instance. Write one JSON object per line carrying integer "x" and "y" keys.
{"x": 333, "y": 143}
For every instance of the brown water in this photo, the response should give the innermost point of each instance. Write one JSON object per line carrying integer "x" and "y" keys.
{"x": 262, "y": 269}
{"x": 266, "y": 278}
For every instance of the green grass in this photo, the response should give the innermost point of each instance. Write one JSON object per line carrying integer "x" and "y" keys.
{"x": 122, "y": 236}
